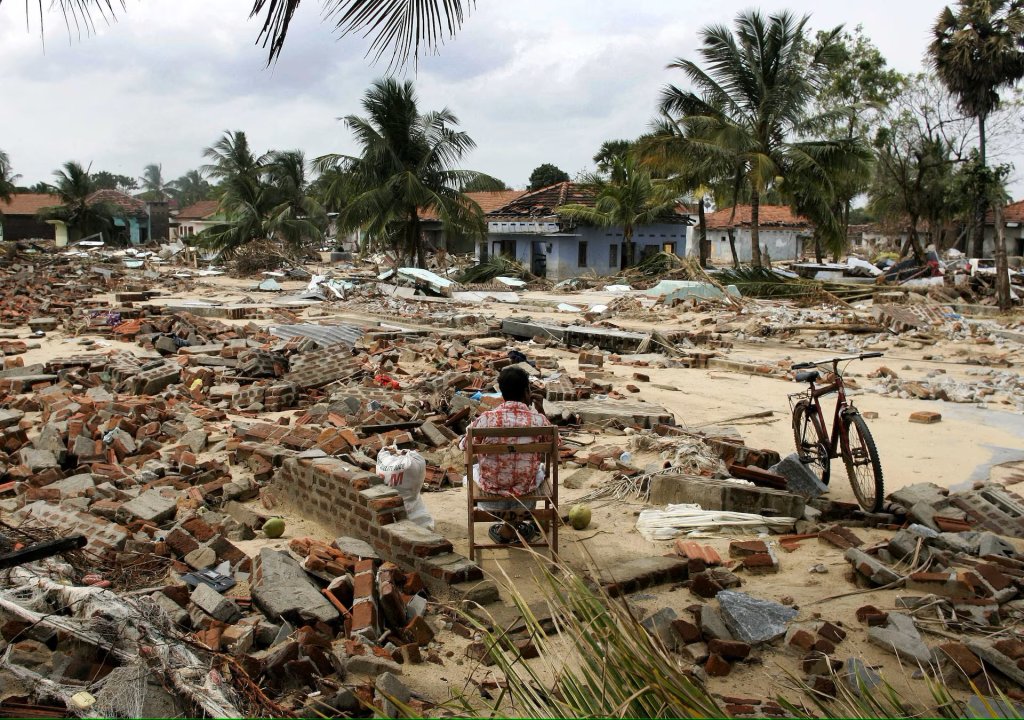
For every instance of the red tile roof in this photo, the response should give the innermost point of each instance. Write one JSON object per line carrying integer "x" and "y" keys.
{"x": 1014, "y": 212}
{"x": 28, "y": 203}
{"x": 128, "y": 204}
{"x": 545, "y": 201}
{"x": 199, "y": 210}
{"x": 767, "y": 216}
{"x": 487, "y": 200}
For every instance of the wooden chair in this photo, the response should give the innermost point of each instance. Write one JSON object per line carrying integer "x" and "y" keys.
{"x": 545, "y": 514}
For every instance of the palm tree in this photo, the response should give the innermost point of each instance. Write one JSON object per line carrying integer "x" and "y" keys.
{"x": 408, "y": 162}
{"x": 262, "y": 198}
{"x": 667, "y": 150}
{"x": 406, "y": 26}
{"x": 83, "y": 216}
{"x": 7, "y": 177}
{"x": 626, "y": 198}
{"x": 190, "y": 188}
{"x": 977, "y": 52}
{"x": 153, "y": 185}
{"x": 749, "y": 105}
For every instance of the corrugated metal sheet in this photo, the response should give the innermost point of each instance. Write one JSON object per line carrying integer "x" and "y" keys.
{"x": 323, "y": 335}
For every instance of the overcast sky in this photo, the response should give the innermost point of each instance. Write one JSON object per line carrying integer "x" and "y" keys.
{"x": 531, "y": 81}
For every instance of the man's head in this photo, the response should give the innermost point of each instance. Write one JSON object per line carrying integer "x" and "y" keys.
{"x": 514, "y": 384}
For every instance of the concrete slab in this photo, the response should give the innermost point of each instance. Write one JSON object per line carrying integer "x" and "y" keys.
{"x": 602, "y": 412}
{"x": 713, "y": 494}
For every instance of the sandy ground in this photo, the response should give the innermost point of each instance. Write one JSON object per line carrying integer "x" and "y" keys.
{"x": 966, "y": 446}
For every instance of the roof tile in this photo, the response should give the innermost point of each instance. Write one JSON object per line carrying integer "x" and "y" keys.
{"x": 28, "y": 203}
{"x": 768, "y": 216}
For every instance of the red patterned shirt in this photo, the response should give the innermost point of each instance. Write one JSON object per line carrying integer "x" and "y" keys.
{"x": 516, "y": 473}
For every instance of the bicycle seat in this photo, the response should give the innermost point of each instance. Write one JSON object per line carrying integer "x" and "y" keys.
{"x": 807, "y": 376}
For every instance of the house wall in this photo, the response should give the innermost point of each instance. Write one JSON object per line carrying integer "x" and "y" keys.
{"x": 782, "y": 244}
{"x": 562, "y": 260}
{"x": 1014, "y": 241}
{"x": 24, "y": 227}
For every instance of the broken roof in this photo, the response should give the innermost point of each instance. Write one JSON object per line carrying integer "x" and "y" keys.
{"x": 544, "y": 203}
{"x": 201, "y": 210}
{"x": 127, "y": 204}
{"x": 28, "y": 203}
{"x": 768, "y": 216}
{"x": 488, "y": 201}
{"x": 1012, "y": 213}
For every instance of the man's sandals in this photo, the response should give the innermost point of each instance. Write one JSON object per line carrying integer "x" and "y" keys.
{"x": 527, "y": 530}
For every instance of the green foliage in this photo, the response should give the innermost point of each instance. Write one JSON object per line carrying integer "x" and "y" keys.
{"x": 104, "y": 180}
{"x": 7, "y": 177}
{"x": 920, "y": 147}
{"x": 976, "y": 52}
{"x": 408, "y": 162}
{"x": 84, "y": 217}
{"x": 626, "y": 198}
{"x": 611, "y": 149}
{"x": 748, "y": 111}
{"x": 190, "y": 188}
{"x": 547, "y": 174}
{"x": 153, "y": 185}
{"x": 264, "y": 199}
{"x": 402, "y": 27}
{"x": 484, "y": 183}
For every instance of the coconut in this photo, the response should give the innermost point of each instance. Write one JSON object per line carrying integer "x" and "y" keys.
{"x": 579, "y": 517}
{"x": 274, "y": 527}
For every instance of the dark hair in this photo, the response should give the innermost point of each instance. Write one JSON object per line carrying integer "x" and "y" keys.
{"x": 514, "y": 384}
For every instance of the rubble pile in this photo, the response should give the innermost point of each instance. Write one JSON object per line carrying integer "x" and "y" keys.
{"x": 167, "y": 436}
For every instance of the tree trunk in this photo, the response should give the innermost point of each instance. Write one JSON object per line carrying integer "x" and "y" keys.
{"x": 703, "y": 247}
{"x": 914, "y": 241}
{"x": 1002, "y": 268}
{"x": 732, "y": 247}
{"x": 755, "y": 230}
{"x": 983, "y": 194}
{"x": 414, "y": 243}
{"x": 817, "y": 246}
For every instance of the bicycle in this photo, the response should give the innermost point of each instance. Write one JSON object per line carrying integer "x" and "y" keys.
{"x": 850, "y": 437}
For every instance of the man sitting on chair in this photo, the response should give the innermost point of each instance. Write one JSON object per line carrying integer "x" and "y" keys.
{"x": 514, "y": 474}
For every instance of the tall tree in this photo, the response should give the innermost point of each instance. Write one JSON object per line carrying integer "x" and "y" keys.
{"x": 405, "y": 27}
{"x": 626, "y": 197}
{"x": 977, "y": 53}
{"x": 408, "y": 161}
{"x": 190, "y": 188}
{"x": 7, "y": 177}
{"x": 263, "y": 198}
{"x": 859, "y": 78}
{"x": 153, "y": 184}
{"x": 609, "y": 150}
{"x": 74, "y": 187}
{"x": 105, "y": 180}
{"x": 485, "y": 184}
{"x": 669, "y": 153}
{"x": 547, "y": 174}
{"x": 921, "y": 140}
{"x": 749, "y": 106}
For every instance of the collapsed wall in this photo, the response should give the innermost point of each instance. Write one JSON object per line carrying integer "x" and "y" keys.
{"x": 350, "y": 501}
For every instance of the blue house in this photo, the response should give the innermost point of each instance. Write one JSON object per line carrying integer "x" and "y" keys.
{"x": 138, "y": 221}
{"x": 530, "y": 230}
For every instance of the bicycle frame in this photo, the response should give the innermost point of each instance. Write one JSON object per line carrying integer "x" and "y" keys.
{"x": 842, "y": 408}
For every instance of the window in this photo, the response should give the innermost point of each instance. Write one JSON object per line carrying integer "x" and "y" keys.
{"x": 669, "y": 247}
{"x": 613, "y": 255}
{"x": 581, "y": 260}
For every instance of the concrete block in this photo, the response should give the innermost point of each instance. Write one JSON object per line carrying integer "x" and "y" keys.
{"x": 799, "y": 478}
{"x": 215, "y": 605}
{"x": 282, "y": 588}
{"x": 713, "y": 494}
{"x": 152, "y": 506}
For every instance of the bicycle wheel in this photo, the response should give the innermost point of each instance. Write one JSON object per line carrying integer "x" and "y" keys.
{"x": 811, "y": 440}
{"x": 862, "y": 464}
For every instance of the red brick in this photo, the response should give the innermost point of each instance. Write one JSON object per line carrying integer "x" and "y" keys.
{"x": 716, "y": 666}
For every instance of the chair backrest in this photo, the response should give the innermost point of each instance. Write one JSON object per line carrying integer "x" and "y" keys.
{"x": 541, "y": 441}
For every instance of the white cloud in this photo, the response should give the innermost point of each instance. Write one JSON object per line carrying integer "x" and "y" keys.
{"x": 531, "y": 81}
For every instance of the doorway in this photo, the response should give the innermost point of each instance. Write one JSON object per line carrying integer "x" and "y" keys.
{"x": 538, "y": 259}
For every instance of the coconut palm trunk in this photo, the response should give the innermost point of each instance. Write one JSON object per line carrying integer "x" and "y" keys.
{"x": 755, "y": 228}
{"x": 703, "y": 247}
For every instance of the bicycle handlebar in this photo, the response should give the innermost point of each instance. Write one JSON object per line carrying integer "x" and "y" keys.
{"x": 815, "y": 363}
